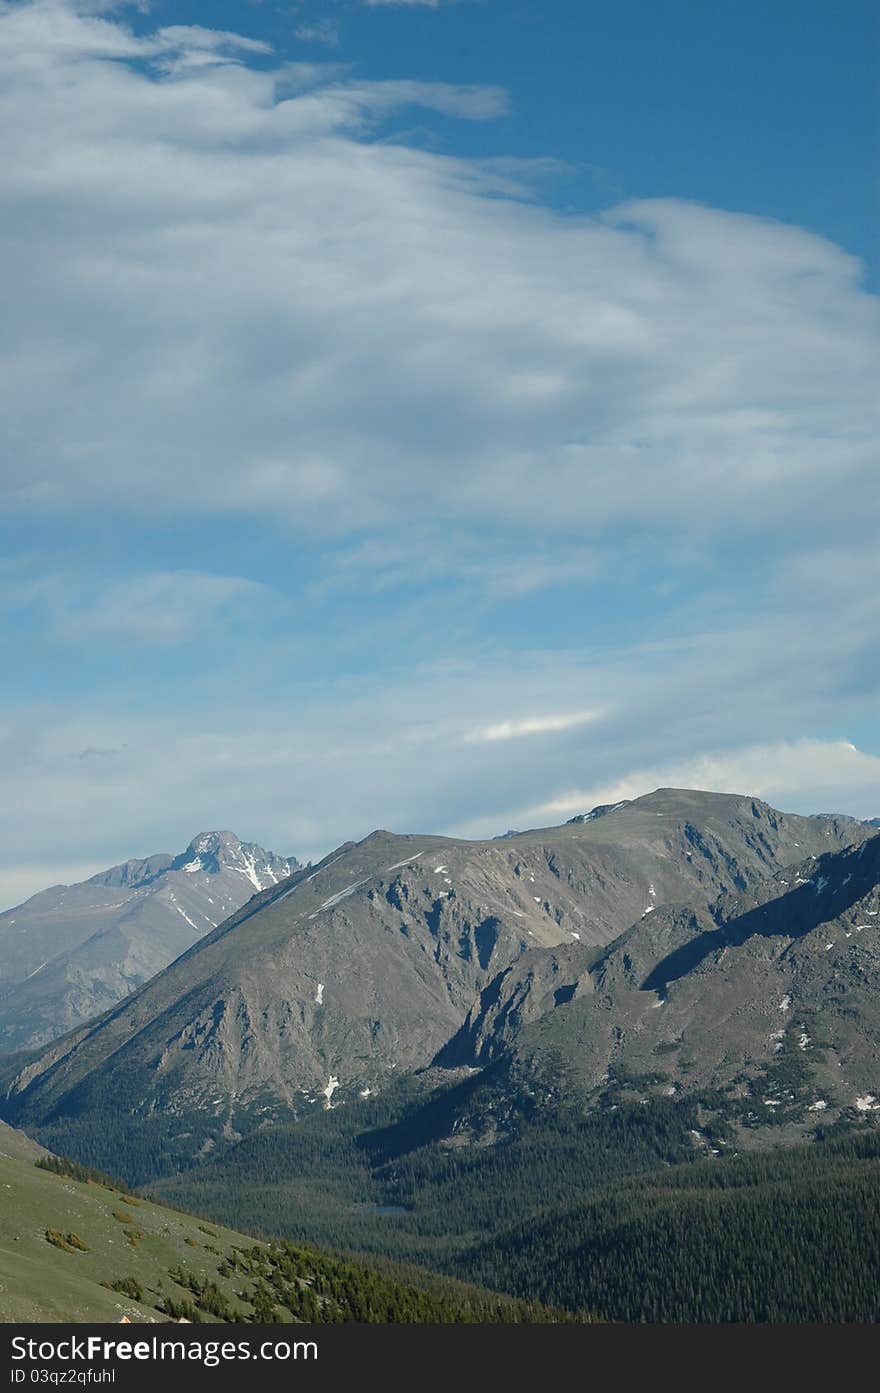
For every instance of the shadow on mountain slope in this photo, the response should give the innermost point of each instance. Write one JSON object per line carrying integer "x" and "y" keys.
{"x": 793, "y": 914}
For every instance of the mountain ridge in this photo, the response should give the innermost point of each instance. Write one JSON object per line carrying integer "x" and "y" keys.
{"x": 769, "y": 1000}
{"x": 368, "y": 965}
{"x": 70, "y": 951}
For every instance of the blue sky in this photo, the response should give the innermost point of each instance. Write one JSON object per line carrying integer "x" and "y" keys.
{"x": 432, "y": 416}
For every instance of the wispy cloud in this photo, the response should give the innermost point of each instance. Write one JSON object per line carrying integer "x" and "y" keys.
{"x": 401, "y": 4}
{"x": 153, "y": 607}
{"x": 238, "y": 305}
{"x": 304, "y": 767}
{"x": 211, "y": 273}
{"x": 807, "y": 769}
{"x": 532, "y": 725}
{"x": 322, "y": 31}
{"x": 96, "y": 752}
{"x": 424, "y": 555}
{"x": 162, "y": 607}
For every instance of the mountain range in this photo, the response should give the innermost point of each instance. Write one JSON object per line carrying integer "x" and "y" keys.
{"x": 521, "y": 1061}
{"x": 71, "y": 951}
{"x": 399, "y": 952}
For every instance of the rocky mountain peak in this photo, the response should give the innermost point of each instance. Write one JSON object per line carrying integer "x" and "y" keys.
{"x": 73, "y": 951}
{"x": 211, "y": 853}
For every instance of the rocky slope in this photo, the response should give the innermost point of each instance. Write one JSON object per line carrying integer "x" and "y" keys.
{"x": 374, "y": 961}
{"x": 770, "y": 1000}
{"x": 71, "y": 951}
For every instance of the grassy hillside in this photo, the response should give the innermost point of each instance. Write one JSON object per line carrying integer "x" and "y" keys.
{"x": 76, "y": 1249}
{"x": 123, "y": 1238}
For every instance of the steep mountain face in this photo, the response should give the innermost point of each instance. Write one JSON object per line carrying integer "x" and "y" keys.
{"x": 770, "y": 1001}
{"x": 72, "y": 951}
{"x": 396, "y": 949}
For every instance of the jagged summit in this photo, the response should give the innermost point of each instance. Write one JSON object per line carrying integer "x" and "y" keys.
{"x": 69, "y": 952}
{"x": 213, "y": 852}
{"x": 212, "y": 845}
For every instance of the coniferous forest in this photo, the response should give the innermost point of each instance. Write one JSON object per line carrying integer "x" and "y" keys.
{"x": 619, "y": 1215}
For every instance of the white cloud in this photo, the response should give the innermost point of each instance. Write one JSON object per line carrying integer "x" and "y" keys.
{"x": 469, "y": 103}
{"x": 810, "y": 771}
{"x": 532, "y": 725}
{"x": 232, "y": 294}
{"x": 214, "y": 271}
{"x": 335, "y": 765}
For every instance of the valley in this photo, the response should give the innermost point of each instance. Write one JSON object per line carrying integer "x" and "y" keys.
{"x": 76, "y": 1246}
